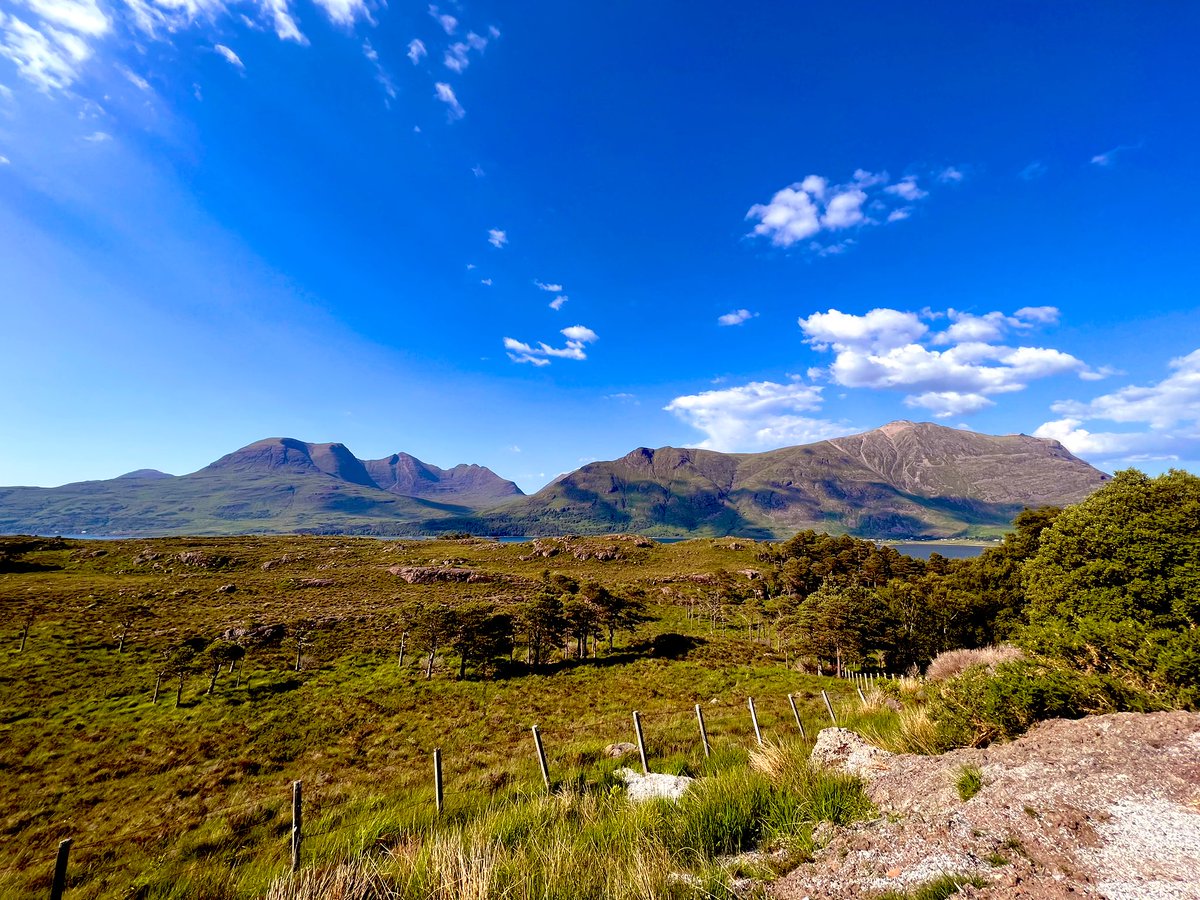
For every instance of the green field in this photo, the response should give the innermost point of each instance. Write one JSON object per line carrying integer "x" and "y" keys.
{"x": 195, "y": 800}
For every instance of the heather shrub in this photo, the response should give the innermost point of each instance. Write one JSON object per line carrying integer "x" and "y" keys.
{"x": 981, "y": 705}
{"x": 955, "y": 662}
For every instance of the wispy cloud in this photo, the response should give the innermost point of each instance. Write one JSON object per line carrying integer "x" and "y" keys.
{"x": 558, "y": 302}
{"x": 497, "y": 237}
{"x": 578, "y": 336}
{"x": 458, "y": 57}
{"x": 552, "y": 288}
{"x": 951, "y": 175}
{"x": 416, "y": 50}
{"x": 737, "y": 317}
{"x": 486, "y": 281}
{"x": 98, "y": 137}
{"x": 1109, "y": 157}
{"x": 381, "y": 74}
{"x": 445, "y": 93}
{"x": 448, "y": 22}
{"x": 1033, "y": 171}
{"x": 806, "y": 209}
{"x": 233, "y": 58}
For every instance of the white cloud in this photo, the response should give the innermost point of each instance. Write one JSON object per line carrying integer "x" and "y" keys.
{"x": 5, "y": 161}
{"x": 1040, "y": 315}
{"x": 809, "y": 207}
{"x": 950, "y": 175}
{"x": 341, "y": 12}
{"x": 1169, "y": 403}
{"x": 892, "y": 349}
{"x": 552, "y": 288}
{"x": 906, "y": 188}
{"x": 416, "y": 50}
{"x": 486, "y": 281}
{"x": 879, "y": 329}
{"x": 445, "y": 93}
{"x": 580, "y": 333}
{"x": 232, "y": 57}
{"x": 497, "y": 237}
{"x": 457, "y": 56}
{"x": 577, "y": 337}
{"x": 80, "y": 16}
{"x": 98, "y": 137}
{"x": 944, "y": 404}
{"x": 757, "y": 416}
{"x": 50, "y": 60}
{"x": 844, "y": 210}
{"x": 558, "y": 302}
{"x": 737, "y": 317}
{"x": 449, "y": 23}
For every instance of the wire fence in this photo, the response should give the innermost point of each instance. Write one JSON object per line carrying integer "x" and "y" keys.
{"x": 770, "y": 718}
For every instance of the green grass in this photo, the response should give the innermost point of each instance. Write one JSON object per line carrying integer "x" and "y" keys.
{"x": 969, "y": 782}
{"x": 166, "y": 802}
{"x": 938, "y": 889}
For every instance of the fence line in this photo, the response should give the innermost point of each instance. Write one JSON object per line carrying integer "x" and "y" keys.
{"x": 437, "y": 803}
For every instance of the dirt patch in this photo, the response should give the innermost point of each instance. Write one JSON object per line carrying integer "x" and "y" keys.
{"x": 1107, "y": 806}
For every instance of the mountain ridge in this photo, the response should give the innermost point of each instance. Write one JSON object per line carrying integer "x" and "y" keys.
{"x": 903, "y": 480}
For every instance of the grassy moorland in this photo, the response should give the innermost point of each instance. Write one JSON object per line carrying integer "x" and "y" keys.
{"x": 160, "y": 696}
{"x": 194, "y": 800}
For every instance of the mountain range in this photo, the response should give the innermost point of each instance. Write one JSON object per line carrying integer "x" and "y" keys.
{"x": 904, "y": 480}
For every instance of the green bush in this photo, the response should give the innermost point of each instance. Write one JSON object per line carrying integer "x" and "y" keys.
{"x": 978, "y": 707}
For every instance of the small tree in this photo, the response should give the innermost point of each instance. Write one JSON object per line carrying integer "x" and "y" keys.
{"x": 480, "y": 634}
{"x": 218, "y": 654}
{"x": 433, "y": 626}
{"x": 541, "y": 622}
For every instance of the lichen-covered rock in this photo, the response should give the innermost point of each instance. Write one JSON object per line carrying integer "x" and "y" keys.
{"x": 616, "y": 751}
{"x": 640, "y": 788}
{"x": 843, "y": 750}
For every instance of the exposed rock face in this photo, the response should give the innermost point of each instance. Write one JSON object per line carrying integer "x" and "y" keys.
{"x": 616, "y": 751}
{"x": 1107, "y": 806}
{"x": 431, "y": 574}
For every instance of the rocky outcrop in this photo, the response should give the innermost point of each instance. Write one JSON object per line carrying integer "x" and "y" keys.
{"x": 1105, "y": 807}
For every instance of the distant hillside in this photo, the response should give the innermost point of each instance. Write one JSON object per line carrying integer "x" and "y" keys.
{"x": 278, "y": 485}
{"x": 903, "y": 480}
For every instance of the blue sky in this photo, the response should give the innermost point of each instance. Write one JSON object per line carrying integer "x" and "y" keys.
{"x": 536, "y": 235}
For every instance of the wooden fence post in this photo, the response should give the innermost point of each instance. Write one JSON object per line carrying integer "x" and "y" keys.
{"x": 796, "y": 713}
{"x": 703, "y": 732}
{"x": 60, "y": 870}
{"x": 637, "y": 727}
{"x": 829, "y": 706}
{"x": 296, "y": 825}
{"x": 862, "y": 697}
{"x": 541, "y": 752}
{"x": 437, "y": 778}
{"x": 754, "y": 719}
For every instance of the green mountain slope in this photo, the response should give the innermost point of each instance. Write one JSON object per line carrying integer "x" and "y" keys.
{"x": 902, "y": 480}
{"x": 279, "y": 485}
